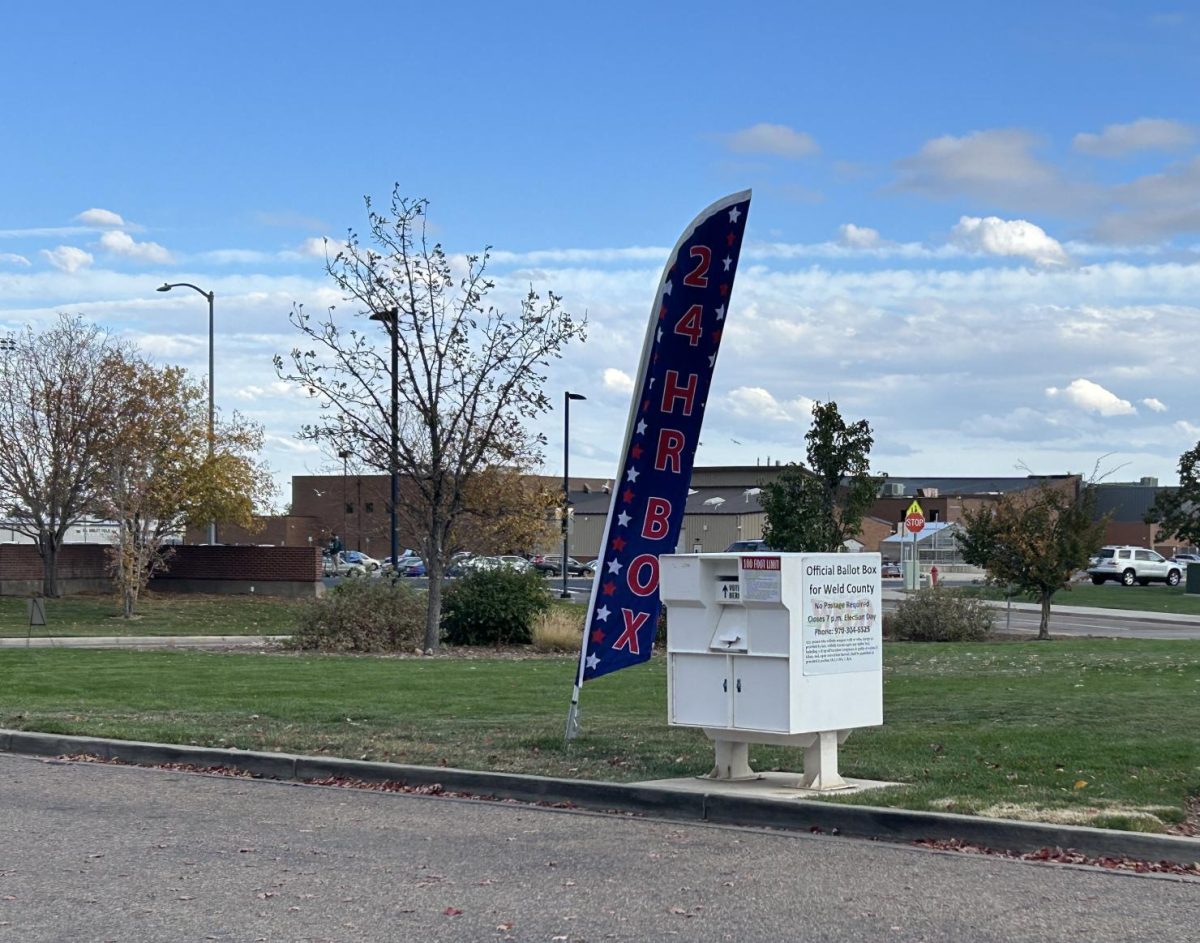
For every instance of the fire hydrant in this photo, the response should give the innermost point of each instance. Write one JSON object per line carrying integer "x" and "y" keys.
{"x": 933, "y": 576}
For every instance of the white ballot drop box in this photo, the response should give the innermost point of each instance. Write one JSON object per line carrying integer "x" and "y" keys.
{"x": 780, "y": 648}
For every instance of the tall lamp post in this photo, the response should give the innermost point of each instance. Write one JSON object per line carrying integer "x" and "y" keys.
{"x": 344, "y": 455}
{"x": 567, "y": 397}
{"x": 167, "y": 286}
{"x": 391, "y": 318}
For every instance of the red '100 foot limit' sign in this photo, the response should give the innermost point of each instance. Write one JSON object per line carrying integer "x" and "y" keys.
{"x": 914, "y": 520}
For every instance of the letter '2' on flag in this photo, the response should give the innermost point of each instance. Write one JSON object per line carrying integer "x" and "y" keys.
{"x": 687, "y": 322}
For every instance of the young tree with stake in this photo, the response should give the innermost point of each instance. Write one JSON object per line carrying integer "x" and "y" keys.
{"x": 469, "y": 379}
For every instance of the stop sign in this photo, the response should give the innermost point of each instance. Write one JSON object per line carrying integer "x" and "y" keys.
{"x": 914, "y": 521}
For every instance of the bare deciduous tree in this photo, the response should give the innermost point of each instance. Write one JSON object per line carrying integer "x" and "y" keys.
{"x": 58, "y": 401}
{"x": 469, "y": 376}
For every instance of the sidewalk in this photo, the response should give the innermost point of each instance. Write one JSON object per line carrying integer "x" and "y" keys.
{"x": 144, "y": 641}
{"x": 897, "y": 595}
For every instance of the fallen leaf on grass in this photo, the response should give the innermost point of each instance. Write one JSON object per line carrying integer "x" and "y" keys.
{"x": 1080, "y": 783}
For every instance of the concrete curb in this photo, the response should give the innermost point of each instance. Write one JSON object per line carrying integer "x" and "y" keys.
{"x": 894, "y": 825}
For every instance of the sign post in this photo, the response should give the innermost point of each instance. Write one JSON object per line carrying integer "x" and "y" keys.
{"x": 914, "y": 523}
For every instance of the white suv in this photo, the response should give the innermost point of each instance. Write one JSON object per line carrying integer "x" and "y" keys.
{"x": 1132, "y": 565}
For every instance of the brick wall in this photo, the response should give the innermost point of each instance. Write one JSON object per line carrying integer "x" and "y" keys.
{"x": 261, "y": 564}
{"x": 230, "y": 567}
{"x": 75, "y": 561}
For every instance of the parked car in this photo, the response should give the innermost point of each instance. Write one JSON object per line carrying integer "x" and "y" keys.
{"x": 414, "y": 567}
{"x": 1183, "y": 559}
{"x": 550, "y": 564}
{"x": 1129, "y": 565}
{"x": 346, "y": 568}
{"x": 891, "y": 570}
{"x": 407, "y": 557}
{"x": 747, "y": 546}
{"x": 514, "y": 562}
{"x": 357, "y": 556}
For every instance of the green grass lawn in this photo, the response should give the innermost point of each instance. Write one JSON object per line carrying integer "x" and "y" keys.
{"x": 157, "y": 614}
{"x": 1096, "y": 731}
{"x": 1157, "y": 597}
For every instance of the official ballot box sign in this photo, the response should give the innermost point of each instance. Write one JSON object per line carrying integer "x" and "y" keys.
{"x": 762, "y": 647}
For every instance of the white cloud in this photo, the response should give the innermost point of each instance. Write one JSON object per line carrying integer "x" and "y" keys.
{"x": 68, "y": 258}
{"x": 650, "y": 254}
{"x": 11, "y": 258}
{"x": 1155, "y": 206}
{"x": 315, "y": 247}
{"x": 754, "y": 402}
{"x": 102, "y": 219}
{"x": 1092, "y": 397}
{"x": 124, "y": 245}
{"x": 995, "y": 165}
{"x": 1187, "y": 428}
{"x": 249, "y": 393}
{"x": 618, "y": 381}
{"x": 1008, "y": 237}
{"x": 1145, "y": 134}
{"x": 777, "y": 139}
{"x": 1154, "y": 404}
{"x": 858, "y": 237}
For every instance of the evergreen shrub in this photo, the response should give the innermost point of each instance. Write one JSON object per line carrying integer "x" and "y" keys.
{"x": 493, "y": 607}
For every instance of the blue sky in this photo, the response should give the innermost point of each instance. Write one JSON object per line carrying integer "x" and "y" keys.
{"x": 977, "y": 228}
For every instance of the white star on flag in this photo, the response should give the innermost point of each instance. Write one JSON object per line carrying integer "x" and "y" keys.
{"x": 712, "y": 359}
{"x": 602, "y": 614}
{"x": 667, "y": 288}
{"x": 632, "y": 473}
{"x": 721, "y": 313}
{"x": 727, "y": 261}
{"x": 652, "y": 382}
{"x": 734, "y": 214}
{"x": 614, "y": 567}
{"x": 641, "y": 427}
{"x": 660, "y": 333}
{"x": 623, "y": 519}
{"x": 592, "y": 662}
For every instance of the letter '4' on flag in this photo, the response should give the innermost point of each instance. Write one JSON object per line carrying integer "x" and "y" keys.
{"x": 671, "y": 390}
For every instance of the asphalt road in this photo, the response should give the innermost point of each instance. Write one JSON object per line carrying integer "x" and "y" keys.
{"x": 101, "y": 853}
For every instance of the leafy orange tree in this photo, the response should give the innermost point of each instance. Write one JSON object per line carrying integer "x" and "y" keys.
{"x": 1035, "y": 539}
{"x": 507, "y": 512}
{"x": 162, "y": 475}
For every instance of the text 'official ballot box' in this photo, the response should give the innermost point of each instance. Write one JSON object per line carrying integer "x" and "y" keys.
{"x": 781, "y": 648}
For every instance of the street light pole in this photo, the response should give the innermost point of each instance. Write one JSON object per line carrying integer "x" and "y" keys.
{"x": 391, "y": 317}
{"x": 567, "y": 397}
{"x": 344, "y": 455}
{"x": 167, "y": 286}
